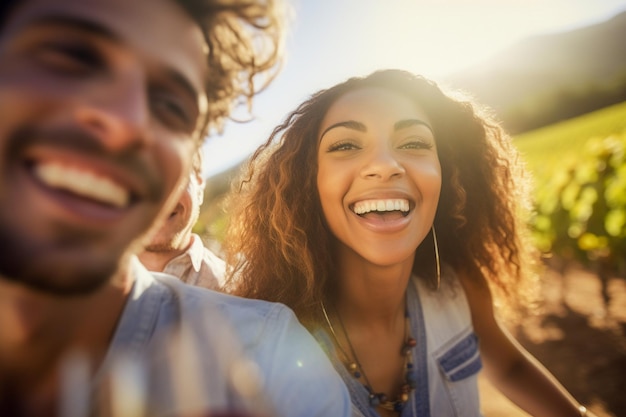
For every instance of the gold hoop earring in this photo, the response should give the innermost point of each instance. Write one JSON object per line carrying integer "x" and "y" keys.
{"x": 437, "y": 263}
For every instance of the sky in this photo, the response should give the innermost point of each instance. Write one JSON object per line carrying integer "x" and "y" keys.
{"x": 329, "y": 41}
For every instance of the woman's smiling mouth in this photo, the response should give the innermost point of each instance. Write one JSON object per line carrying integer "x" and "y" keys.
{"x": 381, "y": 206}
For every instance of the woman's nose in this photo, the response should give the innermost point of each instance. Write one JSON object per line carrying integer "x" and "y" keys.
{"x": 383, "y": 165}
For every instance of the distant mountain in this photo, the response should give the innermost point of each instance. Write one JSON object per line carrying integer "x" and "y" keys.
{"x": 540, "y": 66}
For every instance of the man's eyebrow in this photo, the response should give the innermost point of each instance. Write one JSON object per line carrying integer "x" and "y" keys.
{"x": 95, "y": 28}
{"x": 350, "y": 124}
{"x": 403, "y": 124}
{"x": 78, "y": 23}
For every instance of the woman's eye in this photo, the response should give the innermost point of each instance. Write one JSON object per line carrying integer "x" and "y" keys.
{"x": 342, "y": 146}
{"x": 417, "y": 144}
{"x": 69, "y": 58}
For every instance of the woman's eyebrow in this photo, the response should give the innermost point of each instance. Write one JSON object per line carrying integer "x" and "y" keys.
{"x": 350, "y": 124}
{"x": 403, "y": 124}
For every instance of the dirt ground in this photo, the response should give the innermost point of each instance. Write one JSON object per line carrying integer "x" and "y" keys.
{"x": 580, "y": 338}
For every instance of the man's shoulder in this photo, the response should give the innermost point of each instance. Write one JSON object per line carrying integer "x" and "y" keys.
{"x": 251, "y": 318}
{"x": 299, "y": 379}
{"x": 192, "y": 294}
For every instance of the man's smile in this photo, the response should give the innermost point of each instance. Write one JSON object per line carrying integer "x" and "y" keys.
{"x": 82, "y": 183}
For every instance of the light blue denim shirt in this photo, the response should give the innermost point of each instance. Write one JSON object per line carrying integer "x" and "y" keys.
{"x": 295, "y": 377}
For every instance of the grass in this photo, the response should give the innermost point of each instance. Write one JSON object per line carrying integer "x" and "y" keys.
{"x": 548, "y": 146}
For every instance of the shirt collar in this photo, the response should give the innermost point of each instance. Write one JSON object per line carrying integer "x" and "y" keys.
{"x": 194, "y": 255}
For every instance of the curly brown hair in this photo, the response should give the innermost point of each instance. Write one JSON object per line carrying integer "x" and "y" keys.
{"x": 245, "y": 40}
{"x": 279, "y": 247}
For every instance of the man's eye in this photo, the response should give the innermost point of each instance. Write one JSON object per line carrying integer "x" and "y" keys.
{"x": 172, "y": 111}
{"x": 69, "y": 58}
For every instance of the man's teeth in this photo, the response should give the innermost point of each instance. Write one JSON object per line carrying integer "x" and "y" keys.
{"x": 83, "y": 183}
{"x": 367, "y": 206}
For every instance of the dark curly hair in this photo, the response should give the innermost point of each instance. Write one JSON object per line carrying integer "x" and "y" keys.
{"x": 278, "y": 244}
{"x": 245, "y": 39}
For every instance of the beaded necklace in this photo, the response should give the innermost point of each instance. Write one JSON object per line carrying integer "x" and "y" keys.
{"x": 379, "y": 399}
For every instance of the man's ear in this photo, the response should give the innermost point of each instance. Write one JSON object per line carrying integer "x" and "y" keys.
{"x": 200, "y": 189}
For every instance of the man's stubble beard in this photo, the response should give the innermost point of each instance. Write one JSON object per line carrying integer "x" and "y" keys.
{"x": 174, "y": 243}
{"x": 27, "y": 264}
{"x": 67, "y": 261}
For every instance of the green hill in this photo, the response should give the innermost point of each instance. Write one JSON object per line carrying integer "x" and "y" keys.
{"x": 545, "y": 147}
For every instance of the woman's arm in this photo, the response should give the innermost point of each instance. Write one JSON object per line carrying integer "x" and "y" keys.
{"x": 516, "y": 373}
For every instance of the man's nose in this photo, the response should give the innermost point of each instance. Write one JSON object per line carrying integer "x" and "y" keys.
{"x": 117, "y": 112}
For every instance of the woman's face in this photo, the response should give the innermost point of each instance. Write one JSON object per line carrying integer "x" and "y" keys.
{"x": 379, "y": 176}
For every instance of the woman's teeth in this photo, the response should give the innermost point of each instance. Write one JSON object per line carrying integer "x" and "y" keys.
{"x": 367, "y": 206}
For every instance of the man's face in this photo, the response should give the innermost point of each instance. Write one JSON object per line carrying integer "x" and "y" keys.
{"x": 99, "y": 109}
{"x": 175, "y": 232}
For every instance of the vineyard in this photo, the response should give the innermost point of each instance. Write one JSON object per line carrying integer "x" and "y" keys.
{"x": 579, "y": 224}
{"x": 580, "y": 189}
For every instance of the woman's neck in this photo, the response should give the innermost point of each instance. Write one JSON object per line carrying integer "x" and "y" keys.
{"x": 372, "y": 295}
{"x": 370, "y": 328}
